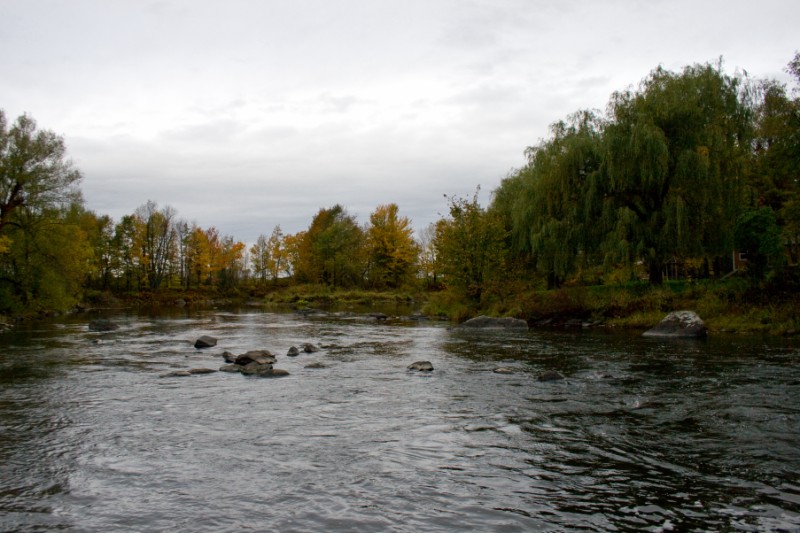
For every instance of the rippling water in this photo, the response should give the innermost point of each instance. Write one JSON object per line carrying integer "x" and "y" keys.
{"x": 642, "y": 434}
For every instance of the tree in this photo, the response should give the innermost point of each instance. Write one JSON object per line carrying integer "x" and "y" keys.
{"x": 673, "y": 172}
{"x": 426, "y": 244}
{"x": 545, "y": 205}
{"x": 757, "y": 234}
{"x": 470, "y": 248}
{"x": 392, "y": 250}
{"x": 34, "y": 173}
{"x": 159, "y": 240}
{"x": 332, "y": 249}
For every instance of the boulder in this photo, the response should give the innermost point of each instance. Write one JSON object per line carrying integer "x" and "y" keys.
{"x": 422, "y": 366}
{"x": 262, "y": 357}
{"x": 254, "y": 368}
{"x": 679, "y": 324}
{"x": 229, "y": 357}
{"x": 491, "y": 322}
{"x": 102, "y": 324}
{"x": 550, "y": 375}
{"x": 205, "y": 342}
{"x": 310, "y": 348}
{"x": 293, "y": 352}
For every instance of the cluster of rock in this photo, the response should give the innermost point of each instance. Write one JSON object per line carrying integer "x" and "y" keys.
{"x": 294, "y": 351}
{"x": 252, "y": 363}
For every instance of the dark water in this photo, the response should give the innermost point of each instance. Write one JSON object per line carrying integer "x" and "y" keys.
{"x": 642, "y": 435}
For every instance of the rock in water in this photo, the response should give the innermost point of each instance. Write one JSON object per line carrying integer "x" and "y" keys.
{"x": 262, "y": 357}
{"x": 205, "y": 342}
{"x": 679, "y": 324}
{"x": 503, "y": 370}
{"x": 490, "y": 322}
{"x": 293, "y": 352}
{"x": 550, "y": 375}
{"x": 422, "y": 366}
{"x": 102, "y": 324}
{"x": 310, "y": 348}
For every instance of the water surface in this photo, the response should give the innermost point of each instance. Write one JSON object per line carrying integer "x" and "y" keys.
{"x": 643, "y": 434}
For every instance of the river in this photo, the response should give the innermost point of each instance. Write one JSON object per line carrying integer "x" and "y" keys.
{"x": 641, "y": 435}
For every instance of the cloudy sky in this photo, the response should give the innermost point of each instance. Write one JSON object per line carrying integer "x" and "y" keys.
{"x": 244, "y": 114}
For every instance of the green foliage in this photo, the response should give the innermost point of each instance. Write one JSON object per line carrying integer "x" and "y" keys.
{"x": 471, "y": 248}
{"x": 757, "y": 234}
{"x": 332, "y": 250}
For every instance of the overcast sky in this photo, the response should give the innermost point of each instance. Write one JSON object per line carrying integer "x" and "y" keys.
{"x": 246, "y": 114}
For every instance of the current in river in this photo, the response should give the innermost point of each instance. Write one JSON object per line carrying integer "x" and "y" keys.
{"x": 640, "y": 435}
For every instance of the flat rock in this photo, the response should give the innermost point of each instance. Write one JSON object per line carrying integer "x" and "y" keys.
{"x": 176, "y": 374}
{"x": 262, "y": 357}
{"x": 195, "y": 371}
{"x": 487, "y": 322}
{"x": 422, "y": 366}
{"x": 503, "y": 370}
{"x": 205, "y": 342}
{"x": 684, "y": 324}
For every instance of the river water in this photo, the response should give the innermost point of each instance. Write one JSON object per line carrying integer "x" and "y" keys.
{"x": 642, "y": 434}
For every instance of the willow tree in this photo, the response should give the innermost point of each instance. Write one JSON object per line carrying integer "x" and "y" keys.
{"x": 674, "y": 166}
{"x": 545, "y": 203}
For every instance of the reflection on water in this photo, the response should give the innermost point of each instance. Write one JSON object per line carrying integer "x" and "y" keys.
{"x": 642, "y": 434}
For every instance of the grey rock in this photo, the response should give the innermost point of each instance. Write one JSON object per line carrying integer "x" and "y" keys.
{"x": 684, "y": 324}
{"x": 422, "y": 366}
{"x": 262, "y": 357}
{"x": 491, "y": 322}
{"x": 293, "y": 352}
{"x": 195, "y": 371}
{"x": 205, "y": 342}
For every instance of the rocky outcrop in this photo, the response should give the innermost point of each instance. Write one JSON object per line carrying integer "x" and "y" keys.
{"x": 205, "y": 342}
{"x": 487, "y": 322}
{"x": 422, "y": 366}
{"x": 684, "y": 324}
{"x": 102, "y": 324}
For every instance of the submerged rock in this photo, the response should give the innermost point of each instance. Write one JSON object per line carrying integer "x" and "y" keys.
{"x": 205, "y": 341}
{"x": 310, "y": 348}
{"x": 422, "y": 366}
{"x": 491, "y": 322}
{"x": 550, "y": 375}
{"x": 503, "y": 370}
{"x": 679, "y": 324}
{"x": 196, "y": 371}
{"x": 102, "y": 324}
{"x": 316, "y": 365}
{"x": 176, "y": 374}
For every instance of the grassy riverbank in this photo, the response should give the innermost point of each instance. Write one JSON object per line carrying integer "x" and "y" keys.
{"x": 733, "y": 305}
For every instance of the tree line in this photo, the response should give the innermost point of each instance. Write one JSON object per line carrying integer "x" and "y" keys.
{"x": 685, "y": 168}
